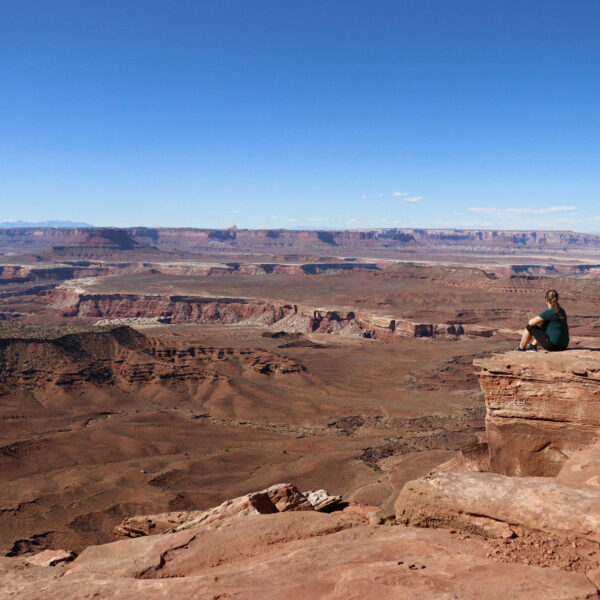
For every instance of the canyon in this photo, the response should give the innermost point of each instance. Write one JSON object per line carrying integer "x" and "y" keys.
{"x": 175, "y": 402}
{"x": 356, "y": 243}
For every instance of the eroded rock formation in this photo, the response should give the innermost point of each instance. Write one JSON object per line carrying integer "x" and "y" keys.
{"x": 356, "y": 243}
{"x": 74, "y": 301}
{"x": 289, "y": 555}
{"x": 278, "y": 498}
{"x": 40, "y": 358}
{"x": 540, "y": 409}
{"x": 540, "y": 467}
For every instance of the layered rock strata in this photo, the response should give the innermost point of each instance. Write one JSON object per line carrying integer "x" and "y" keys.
{"x": 42, "y": 359}
{"x": 541, "y": 455}
{"x": 541, "y": 408}
{"x": 76, "y": 302}
{"x": 493, "y": 505}
{"x": 357, "y": 242}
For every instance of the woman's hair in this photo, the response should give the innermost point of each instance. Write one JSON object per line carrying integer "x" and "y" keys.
{"x": 552, "y": 298}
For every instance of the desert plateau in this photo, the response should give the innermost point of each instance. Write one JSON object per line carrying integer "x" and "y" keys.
{"x": 299, "y": 300}
{"x": 301, "y": 414}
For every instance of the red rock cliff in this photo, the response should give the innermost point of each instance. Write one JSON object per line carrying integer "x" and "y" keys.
{"x": 541, "y": 408}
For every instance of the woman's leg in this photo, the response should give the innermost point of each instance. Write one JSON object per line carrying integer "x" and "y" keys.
{"x": 541, "y": 337}
{"x": 525, "y": 339}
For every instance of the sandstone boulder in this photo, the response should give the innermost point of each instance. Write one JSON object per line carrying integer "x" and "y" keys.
{"x": 321, "y": 501}
{"x": 277, "y": 498}
{"x": 489, "y": 504}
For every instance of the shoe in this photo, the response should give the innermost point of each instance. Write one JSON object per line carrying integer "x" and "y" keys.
{"x": 519, "y": 349}
{"x": 531, "y": 348}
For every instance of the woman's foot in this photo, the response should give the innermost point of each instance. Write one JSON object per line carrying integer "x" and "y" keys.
{"x": 519, "y": 349}
{"x": 531, "y": 348}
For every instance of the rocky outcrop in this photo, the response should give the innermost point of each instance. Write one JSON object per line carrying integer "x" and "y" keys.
{"x": 292, "y": 555}
{"x": 71, "y": 242}
{"x": 42, "y": 358}
{"x": 582, "y": 469}
{"x": 372, "y": 242}
{"x": 490, "y": 504}
{"x": 66, "y": 269}
{"x": 278, "y": 498}
{"x": 73, "y": 300}
{"x": 541, "y": 408}
{"x": 176, "y": 309}
{"x": 543, "y": 467}
{"x": 380, "y": 241}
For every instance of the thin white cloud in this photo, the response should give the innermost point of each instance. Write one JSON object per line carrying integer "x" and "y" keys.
{"x": 398, "y": 196}
{"x": 277, "y": 218}
{"x": 521, "y": 211}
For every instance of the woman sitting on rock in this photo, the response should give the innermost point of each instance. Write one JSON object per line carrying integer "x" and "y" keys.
{"x": 549, "y": 329}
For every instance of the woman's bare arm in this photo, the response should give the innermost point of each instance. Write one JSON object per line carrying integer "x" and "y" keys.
{"x": 536, "y": 321}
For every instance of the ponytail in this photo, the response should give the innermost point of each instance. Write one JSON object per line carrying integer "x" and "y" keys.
{"x": 552, "y": 298}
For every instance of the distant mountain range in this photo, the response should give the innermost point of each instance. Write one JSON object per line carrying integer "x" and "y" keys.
{"x": 10, "y": 224}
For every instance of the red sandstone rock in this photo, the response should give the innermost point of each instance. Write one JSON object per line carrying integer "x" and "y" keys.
{"x": 78, "y": 302}
{"x": 378, "y": 242}
{"x": 582, "y": 469}
{"x": 293, "y": 556}
{"x": 277, "y": 498}
{"x": 541, "y": 409}
{"x": 50, "y": 558}
{"x": 488, "y": 504}
{"x": 119, "y": 356}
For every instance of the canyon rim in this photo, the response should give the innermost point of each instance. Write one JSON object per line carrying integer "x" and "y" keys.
{"x": 186, "y": 410}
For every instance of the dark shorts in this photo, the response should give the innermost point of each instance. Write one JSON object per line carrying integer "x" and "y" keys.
{"x": 542, "y": 339}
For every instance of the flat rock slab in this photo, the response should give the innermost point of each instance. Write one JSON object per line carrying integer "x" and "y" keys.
{"x": 192, "y": 550}
{"x": 50, "y": 558}
{"x": 386, "y": 563}
{"x": 488, "y": 504}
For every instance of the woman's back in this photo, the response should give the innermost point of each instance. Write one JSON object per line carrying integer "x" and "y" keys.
{"x": 556, "y": 328}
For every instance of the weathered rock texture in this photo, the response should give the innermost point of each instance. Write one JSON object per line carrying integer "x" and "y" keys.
{"x": 489, "y": 504}
{"x": 541, "y": 409}
{"x": 543, "y": 416}
{"x": 73, "y": 301}
{"x": 278, "y": 498}
{"x": 50, "y": 558}
{"x": 42, "y": 359}
{"x": 292, "y": 555}
{"x": 582, "y": 469}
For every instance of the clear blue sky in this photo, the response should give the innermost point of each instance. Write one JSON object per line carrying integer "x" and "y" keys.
{"x": 332, "y": 114}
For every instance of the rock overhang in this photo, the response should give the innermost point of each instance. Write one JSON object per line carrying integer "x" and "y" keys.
{"x": 541, "y": 408}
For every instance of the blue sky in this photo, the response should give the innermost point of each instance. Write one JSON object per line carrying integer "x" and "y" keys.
{"x": 329, "y": 114}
